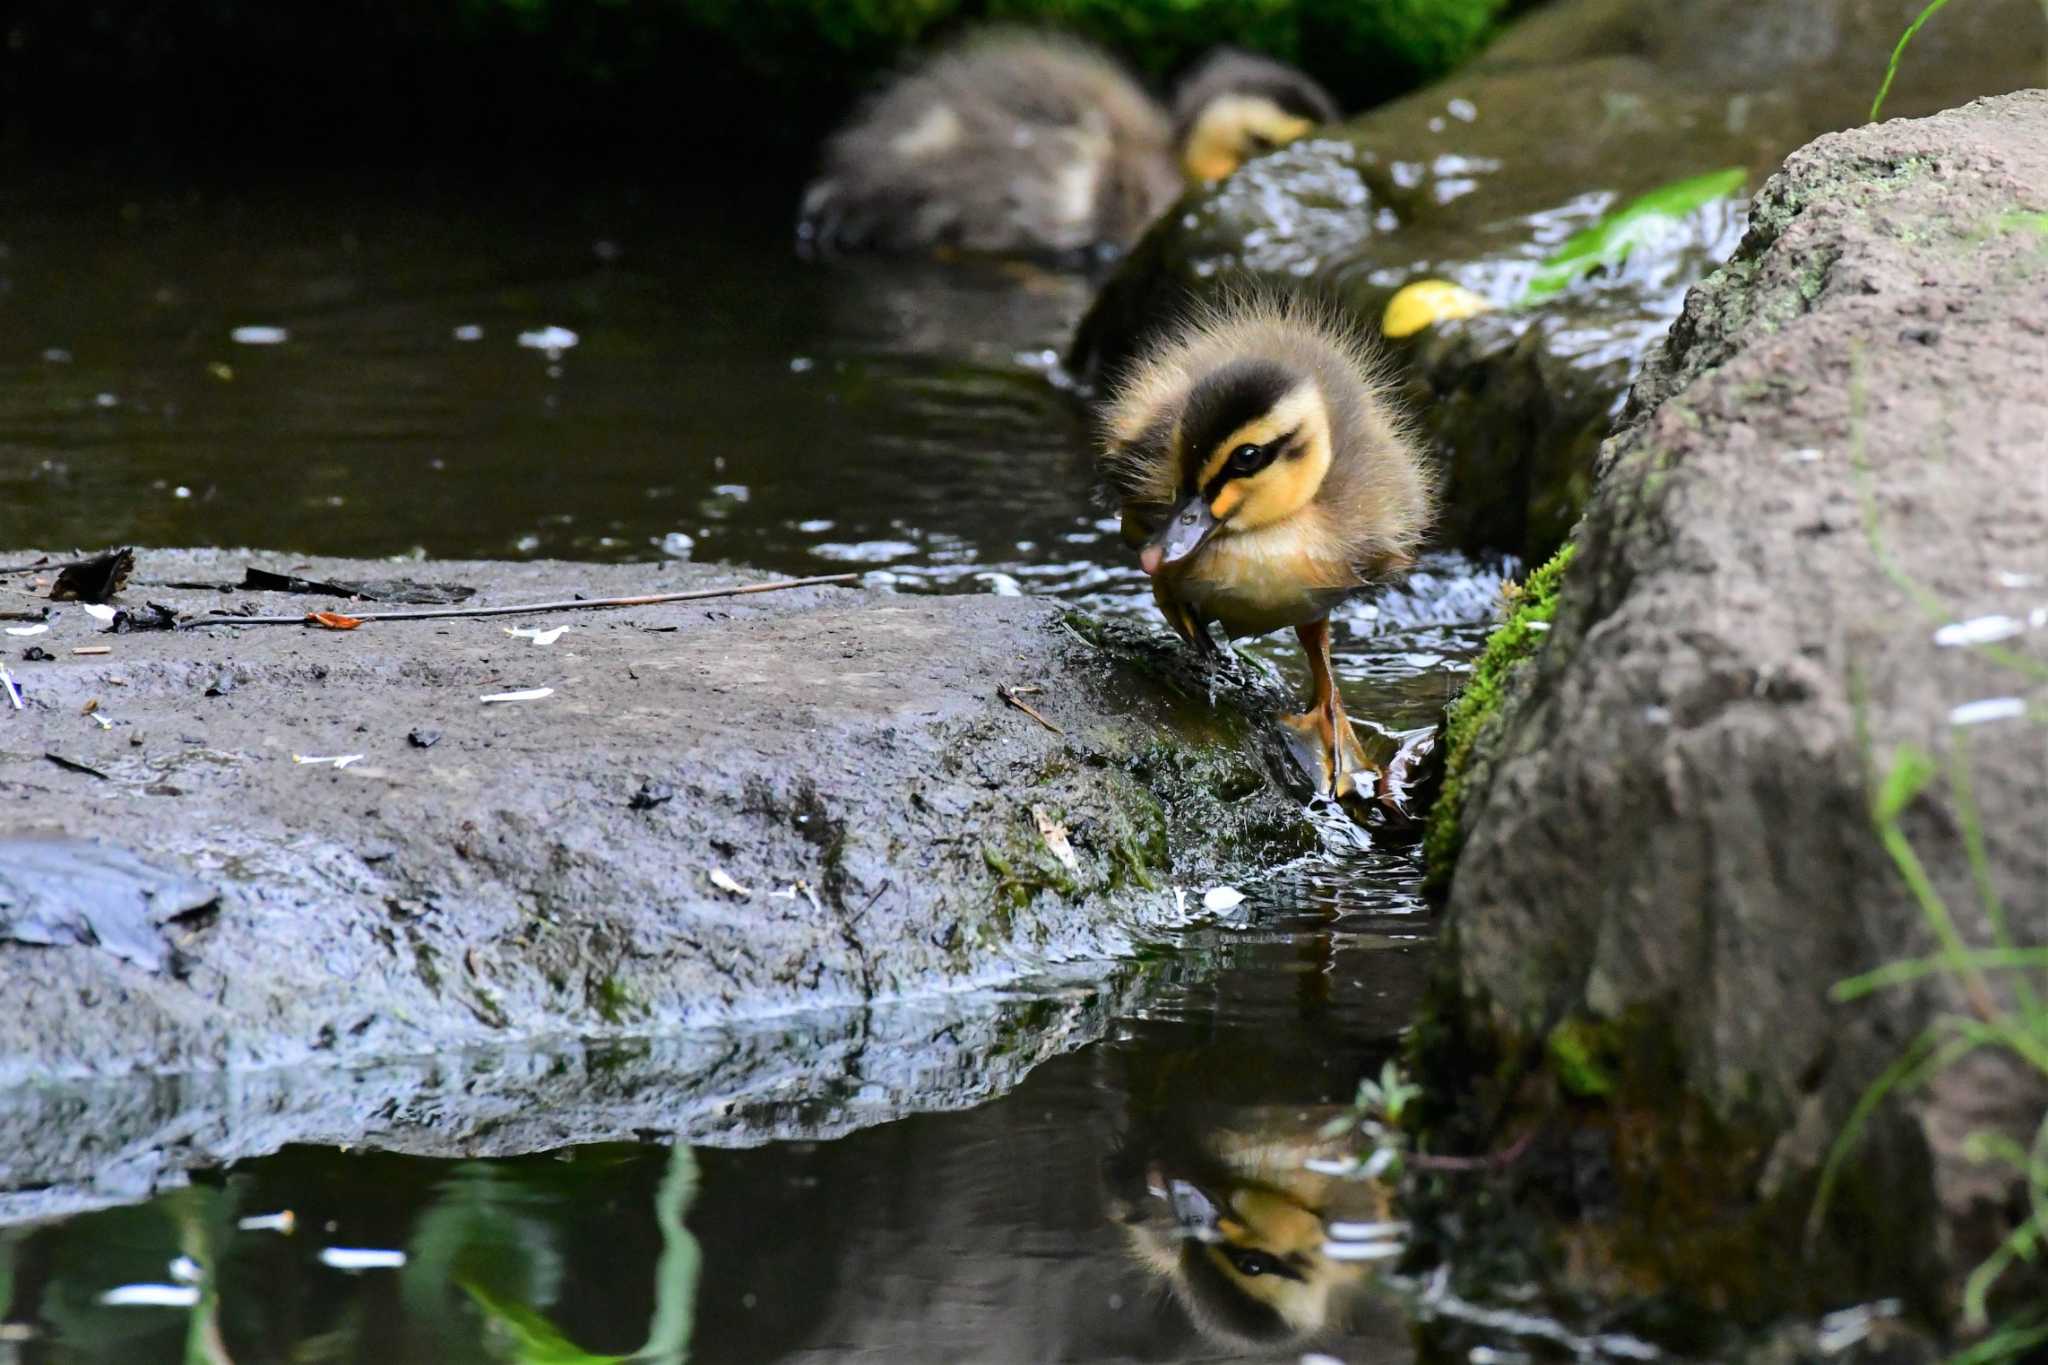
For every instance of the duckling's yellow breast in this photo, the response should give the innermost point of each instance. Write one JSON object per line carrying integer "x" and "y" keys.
{"x": 1262, "y": 581}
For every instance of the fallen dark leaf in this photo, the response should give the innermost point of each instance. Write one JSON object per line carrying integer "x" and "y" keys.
{"x": 404, "y": 591}
{"x": 650, "y": 795}
{"x": 333, "y": 620}
{"x": 152, "y": 616}
{"x": 36, "y": 654}
{"x": 423, "y": 739}
{"x": 95, "y": 579}
{"x": 72, "y": 765}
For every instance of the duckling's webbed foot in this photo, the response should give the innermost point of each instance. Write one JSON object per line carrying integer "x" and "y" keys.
{"x": 1321, "y": 739}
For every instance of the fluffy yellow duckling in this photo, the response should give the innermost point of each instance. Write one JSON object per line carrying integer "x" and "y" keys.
{"x": 1265, "y": 477}
{"x": 1018, "y": 142}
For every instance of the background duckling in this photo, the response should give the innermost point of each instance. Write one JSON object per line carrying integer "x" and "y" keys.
{"x": 1235, "y": 105}
{"x": 1265, "y": 477}
{"x": 1011, "y": 141}
{"x": 1016, "y": 141}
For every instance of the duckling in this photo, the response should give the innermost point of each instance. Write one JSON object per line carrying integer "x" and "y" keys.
{"x": 1017, "y": 142}
{"x": 1238, "y": 1226}
{"x": 1264, "y": 478}
{"x": 1235, "y": 105}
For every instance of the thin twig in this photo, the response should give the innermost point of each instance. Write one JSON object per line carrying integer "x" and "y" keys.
{"x": 1009, "y": 694}
{"x": 1492, "y": 1161}
{"x": 530, "y": 608}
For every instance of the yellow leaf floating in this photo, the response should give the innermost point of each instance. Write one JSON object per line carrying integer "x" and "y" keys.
{"x": 1427, "y": 302}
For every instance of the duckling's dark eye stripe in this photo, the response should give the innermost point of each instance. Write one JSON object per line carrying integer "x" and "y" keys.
{"x": 1288, "y": 445}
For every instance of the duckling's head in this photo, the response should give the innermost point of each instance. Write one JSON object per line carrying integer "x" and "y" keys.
{"x": 1252, "y": 448}
{"x": 1236, "y": 105}
{"x": 1246, "y": 1259}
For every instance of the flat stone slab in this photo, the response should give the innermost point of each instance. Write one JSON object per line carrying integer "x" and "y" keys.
{"x": 722, "y": 810}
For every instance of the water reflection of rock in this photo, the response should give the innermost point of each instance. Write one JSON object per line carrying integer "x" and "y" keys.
{"x": 1582, "y": 106}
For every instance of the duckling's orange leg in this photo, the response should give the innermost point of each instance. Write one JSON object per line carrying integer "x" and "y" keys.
{"x": 1321, "y": 738}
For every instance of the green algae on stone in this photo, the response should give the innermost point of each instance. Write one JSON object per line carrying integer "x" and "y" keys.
{"x": 1466, "y": 719}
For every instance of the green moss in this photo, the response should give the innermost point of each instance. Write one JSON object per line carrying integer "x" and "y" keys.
{"x": 1466, "y": 719}
{"x": 1581, "y": 1057}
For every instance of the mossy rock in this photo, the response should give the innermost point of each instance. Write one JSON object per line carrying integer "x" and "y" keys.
{"x": 1466, "y": 719}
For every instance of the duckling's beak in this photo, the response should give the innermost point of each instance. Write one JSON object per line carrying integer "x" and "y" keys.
{"x": 1187, "y": 529}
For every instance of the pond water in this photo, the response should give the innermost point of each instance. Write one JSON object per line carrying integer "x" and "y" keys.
{"x": 332, "y": 370}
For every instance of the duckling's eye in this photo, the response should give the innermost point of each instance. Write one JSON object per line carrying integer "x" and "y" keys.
{"x": 1248, "y": 459}
{"x": 1259, "y": 142}
{"x": 1252, "y": 1264}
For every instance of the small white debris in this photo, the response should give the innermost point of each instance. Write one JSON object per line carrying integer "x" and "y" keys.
{"x": 361, "y": 1258}
{"x": 327, "y": 760}
{"x": 800, "y": 364}
{"x": 1378, "y": 1163}
{"x": 1222, "y": 898}
{"x": 1464, "y": 111}
{"x": 1804, "y": 455}
{"x": 1989, "y": 709}
{"x": 1000, "y": 584}
{"x": 185, "y": 1270}
{"x": 1537, "y": 626}
{"x": 788, "y": 893}
{"x": 57, "y": 355}
{"x": 1055, "y": 835}
{"x": 553, "y": 340}
{"x": 181, "y": 491}
{"x": 1978, "y": 630}
{"x": 27, "y": 630}
{"x": 99, "y": 718}
{"x": 469, "y": 331}
{"x": 721, "y": 879}
{"x": 535, "y": 634}
{"x": 284, "y": 1221}
{"x": 10, "y": 687}
{"x": 1363, "y": 1251}
{"x": 106, "y": 400}
{"x": 98, "y": 611}
{"x": 1324, "y": 1165}
{"x": 260, "y": 336}
{"x": 2006, "y": 578}
{"x": 677, "y": 544}
{"x": 152, "y": 1296}
{"x": 530, "y": 694}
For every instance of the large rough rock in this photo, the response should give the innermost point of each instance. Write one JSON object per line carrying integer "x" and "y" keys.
{"x": 1583, "y": 106}
{"x": 1671, "y": 850}
{"x": 487, "y": 872}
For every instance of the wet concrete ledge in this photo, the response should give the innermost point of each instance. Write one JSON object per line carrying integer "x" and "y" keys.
{"x": 544, "y": 868}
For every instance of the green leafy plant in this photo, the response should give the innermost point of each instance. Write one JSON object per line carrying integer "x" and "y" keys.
{"x": 1640, "y": 221}
{"x": 1891, "y": 69}
{"x": 1376, "y": 1115}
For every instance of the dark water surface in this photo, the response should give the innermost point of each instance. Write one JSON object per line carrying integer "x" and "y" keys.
{"x": 725, "y": 401}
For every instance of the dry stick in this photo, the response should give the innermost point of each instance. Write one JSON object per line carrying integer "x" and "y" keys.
{"x": 574, "y": 604}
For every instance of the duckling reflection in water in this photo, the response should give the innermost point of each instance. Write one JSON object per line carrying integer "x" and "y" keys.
{"x": 1264, "y": 478}
{"x": 1239, "y": 1228}
{"x": 1017, "y": 142}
